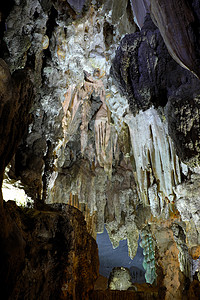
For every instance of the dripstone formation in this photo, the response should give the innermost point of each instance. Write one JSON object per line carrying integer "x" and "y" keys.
{"x": 99, "y": 126}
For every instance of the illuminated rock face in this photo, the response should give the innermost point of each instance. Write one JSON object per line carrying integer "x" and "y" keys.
{"x": 157, "y": 165}
{"x": 120, "y": 279}
{"x": 114, "y": 127}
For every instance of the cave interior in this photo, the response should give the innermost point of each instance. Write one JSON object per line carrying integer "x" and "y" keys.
{"x": 100, "y": 149}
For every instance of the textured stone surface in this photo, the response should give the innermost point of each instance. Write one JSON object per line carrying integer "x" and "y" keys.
{"x": 148, "y": 245}
{"x": 157, "y": 165}
{"x": 147, "y": 75}
{"x": 167, "y": 259}
{"x": 184, "y": 256}
{"x": 188, "y": 205}
{"x": 43, "y": 253}
{"x": 124, "y": 295}
{"x": 182, "y": 113}
{"x": 116, "y": 155}
{"x": 120, "y": 279}
{"x": 139, "y": 68}
{"x": 182, "y": 44}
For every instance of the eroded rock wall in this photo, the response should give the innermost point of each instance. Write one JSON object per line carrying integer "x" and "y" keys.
{"x": 43, "y": 253}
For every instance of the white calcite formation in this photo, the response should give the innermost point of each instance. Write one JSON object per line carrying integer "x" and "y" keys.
{"x": 157, "y": 165}
{"x": 120, "y": 279}
{"x": 16, "y": 193}
{"x": 78, "y": 51}
{"x": 127, "y": 231}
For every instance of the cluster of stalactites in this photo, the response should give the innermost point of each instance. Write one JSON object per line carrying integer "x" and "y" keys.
{"x": 157, "y": 165}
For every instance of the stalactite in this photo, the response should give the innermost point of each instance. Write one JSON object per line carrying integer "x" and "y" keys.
{"x": 89, "y": 218}
{"x": 157, "y": 166}
{"x": 148, "y": 246}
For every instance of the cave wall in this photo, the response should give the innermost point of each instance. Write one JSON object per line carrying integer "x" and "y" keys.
{"x": 100, "y": 110}
{"x": 43, "y": 253}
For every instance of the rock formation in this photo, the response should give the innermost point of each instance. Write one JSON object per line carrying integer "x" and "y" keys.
{"x": 43, "y": 254}
{"x": 120, "y": 279}
{"x": 99, "y": 112}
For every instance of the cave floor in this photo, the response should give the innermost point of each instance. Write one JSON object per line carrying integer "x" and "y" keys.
{"x": 120, "y": 295}
{"x": 144, "y": 291}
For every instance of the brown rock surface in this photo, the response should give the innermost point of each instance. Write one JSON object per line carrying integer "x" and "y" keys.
{"x": 101, "y": 283}
{"x": 167, "y": 258}
{"x": 124, "y": 295}
{"x": 195, "y": 252}
{"x": 46, "y": 254}
{"x": 194, "y": 290}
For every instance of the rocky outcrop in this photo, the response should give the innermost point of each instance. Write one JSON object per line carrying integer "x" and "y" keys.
{"x": 120, "y": 279}
{"x": 43, "y": 253}
{"x": 167, "y": 259}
